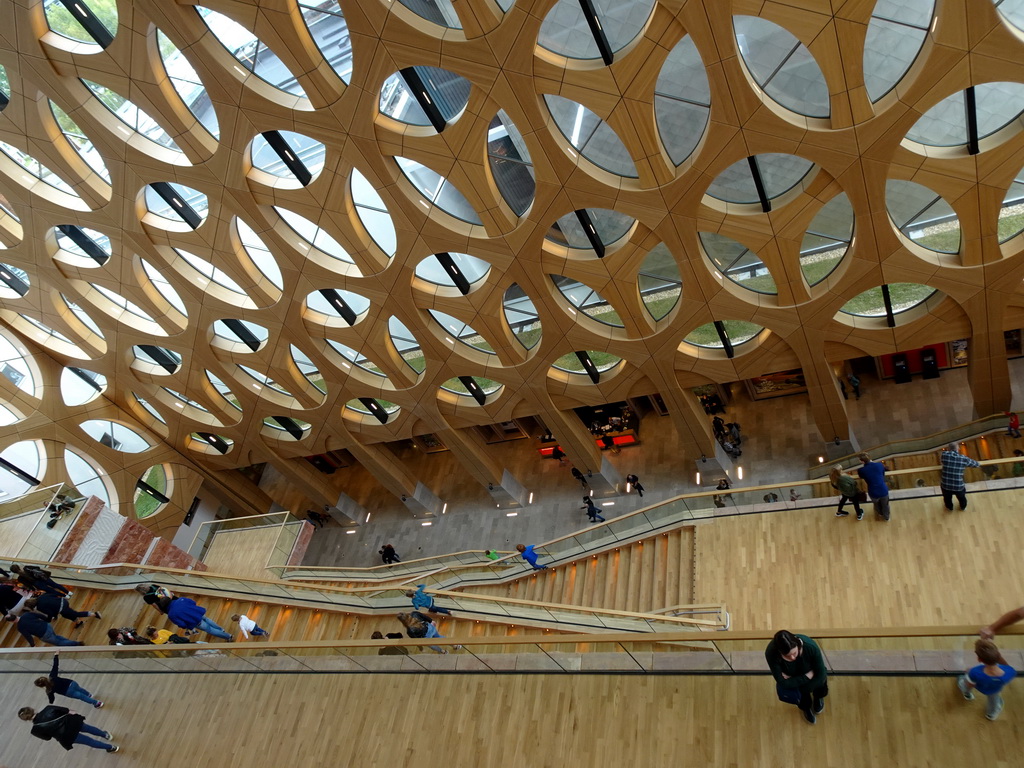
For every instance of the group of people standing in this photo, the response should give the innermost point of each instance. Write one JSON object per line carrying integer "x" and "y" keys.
{"x": 951, "y": 483}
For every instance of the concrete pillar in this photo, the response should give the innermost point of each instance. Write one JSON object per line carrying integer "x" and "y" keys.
{"x": 472, "y": 454}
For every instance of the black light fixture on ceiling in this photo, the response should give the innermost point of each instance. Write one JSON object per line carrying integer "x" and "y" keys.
{"x": 588, "y": 366}
{"x": 149, "y": 490}
{"x": 339, "y": 304}
{"x": 19, "y": 472}
{"x": 277, "y": 142}
{"x": 89, "y": 21}
{"x": 419, "y": 90}
{"x": 475, "y": 389}
{"x": 89, "y": 246}
{"x": 241, "y": 330}
{"x": 170, "y": 195}
{"x": 216, "y": 441}
{"x": 375, "y": 409}
{"x": 452, "y": 269}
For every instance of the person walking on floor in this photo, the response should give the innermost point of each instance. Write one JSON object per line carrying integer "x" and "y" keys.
{"x": 388, "y": 555}
{"x": 35, "y": 578}
{"x": 855, "y": 384}
{"x": 989, "y": 677}
{"x": 634, "y": 481}
{"x": 847, "y": 487}
{"x": 12, "y": 600}
{"x": 529, "y": 556}
{"x": 842, "y": 388}
{"x": 873, "y": 473}
{"x": 65, "y": 727}
{"x": 579, "y": 476}
{"x": 185, "y": 613}
{"x": 1013, "y": 425}
{"x": 417, "y": 625}
{"x": 247, "y": 625}
{"x": 34, "y": 625}
{"x": 51, "y": 606}
{"x": 951, "y": 478}
{"x": 592, "y": 511}
{"x": 799, "y": 670}
{"x": 315, "y": 518}
{"x": 421, "y": 601}
{"x": 65, "y": 686}
{"x": 558, "y": 453}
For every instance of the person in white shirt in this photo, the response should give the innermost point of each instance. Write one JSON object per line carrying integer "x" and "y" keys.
{"x": 247, "y": 625}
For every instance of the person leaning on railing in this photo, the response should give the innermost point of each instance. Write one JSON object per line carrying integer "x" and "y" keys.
{"x": 1011, "y": 617}
{"x": 799, "y": 670}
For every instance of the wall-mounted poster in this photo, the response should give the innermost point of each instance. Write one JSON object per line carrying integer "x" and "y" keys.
{"x": 958, "y": 352}
{"x": 776, "y": 384}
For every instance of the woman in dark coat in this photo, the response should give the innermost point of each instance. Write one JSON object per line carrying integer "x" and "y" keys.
{"x": 799, "y": 670}
{"x": 67, "y": 728}
{"x": 65, "y": 686}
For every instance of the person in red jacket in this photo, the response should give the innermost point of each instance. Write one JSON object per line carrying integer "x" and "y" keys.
{"x": 67, "y": 728}
{"x": 1013, "y": 425}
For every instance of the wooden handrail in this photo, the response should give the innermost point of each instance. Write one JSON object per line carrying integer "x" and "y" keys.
{"x": 580, "y": 609}
{"x": 866, "y": 633}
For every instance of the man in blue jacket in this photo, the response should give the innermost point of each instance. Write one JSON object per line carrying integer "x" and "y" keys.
{"x": 873, "y": 473}
{"x": 33, "y": 625}
{"x": 421, "y": 601}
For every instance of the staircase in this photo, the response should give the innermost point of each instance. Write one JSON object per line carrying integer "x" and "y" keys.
{"x": 644, "y": 577}
{"x": 125, "y": 608}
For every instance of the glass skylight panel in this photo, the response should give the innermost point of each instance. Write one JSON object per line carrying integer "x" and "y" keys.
{"x": 14, "y": 281}
{"x": 356, "y": 357}
{"x": 116, "y": 436}
{"x": 827, "y": 239}
{"x": 314, "y": 235}
{"x": 1011, "y": 213}
{"x": 251, "y": 52}
{"x": 97, "y": 242}
{"x": 36, "y": 169}
{"x": 444, "y": 91}
{"x": 146, "y": 406}
{"x": 441, "y": 12}
{"x": 923, "y": 216}
{"x": 591, "y": 135}
{"x": 262, "y": 378}
{"x": 79, "y": 386}
{"x": 131, "y": 115}
{"x": 161, "y": 356}
{"x": 782, "y": 66}
{"x": 82, "y": 315}
{"x": 358, "y": 406}
{"x": 659, "y": 281}
{"x": 317, "y": 302}
{"x": 308, "y": 368}
{"x": 185, "y": 399}
{"x": 587, "y": 300}
{"x": 522, "y": 316}
{"x": 186, "y": 82}
{"x": 329, "y": 30}
{"x": 120, "y": 301}
{"x": 461, "y": 331}
{"x": 1012, "y": 11}
{"x": 902, "y": 296}
{"x": 305, "y": 150}
{"x": 487, "y": 386}
{"x": 244, "y": 327}
{"x": 608, "y": 227}
{"x": 510, "y": 163}
{"x": 470, "y": 267}
{"x": 211, "y": 273}
{"x": 14, "y": 366}
{"x": 164, "y": 287}
{"x": 224, "y": 390}
{"x": 373, "y": 213}
{"x": 566, "y": 31}
{"x": 946, "y": 124}
{"x": 682, "y": 100}
{"x": 779, "y": 173}
{"x": 738, "y": 263}
{"x": 406, "y": 344}
{"x": 26, "y": 457}
{"x": 93, "y": 22}
{"x": 895, "y": 34}
{"x": 259, "y": 254}
{"x": 438, "y": 190}
{"x": 603, "y": 361}
{"x": 80, "y": 142}
{"x": 86, "y": 479}
{"x": 47, "y": 330}
{"x": 737, "y": 331}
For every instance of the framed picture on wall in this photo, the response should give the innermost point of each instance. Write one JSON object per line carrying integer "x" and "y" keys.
{"x": 958, "y": 352}
{"x": 776, "y": 384}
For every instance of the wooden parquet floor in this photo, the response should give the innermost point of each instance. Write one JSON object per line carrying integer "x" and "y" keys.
{"x": 541, "y": 721}
{"x": 927, "y": 566}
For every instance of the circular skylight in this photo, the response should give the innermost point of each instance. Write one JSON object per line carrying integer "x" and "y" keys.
{"x": 586, "y": 300}
{"x": 438, "y": 190}
{"x": 738, "y": 263}
{"x": 989, "y": 107}
{"x": 710, "y": 335}
{"x": 895, "y": 34}
{"x": 827, "y": 239}
{"x": 614, "y": 24}
{"x": 777, "y": 174}
{"x": 457, "y": 270}
{"x": 923, "y": 216}
{"x": 510, "y": 163}
{"x": 424, "y": 96}
{"x": 591, "y": 135}
{"x": 591, "y": 230}
{"x": 682, "y": 101}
